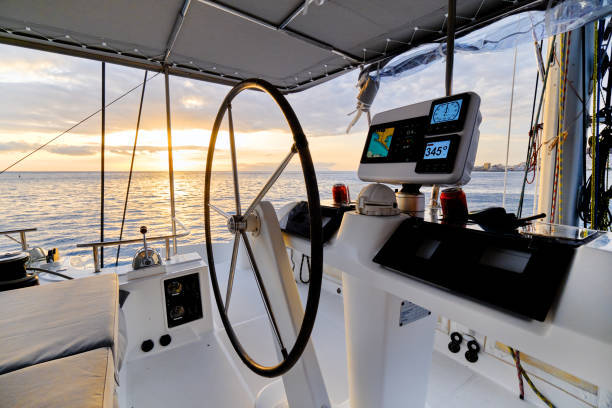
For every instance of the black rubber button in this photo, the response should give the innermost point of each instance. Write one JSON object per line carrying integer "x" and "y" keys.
{"x": 147, "y": 345}
{"x": 165, "y": 340}
{"x": 456, "y": 337}
{"x": 454, "y": 346}
{"x": 472, "y": 354}
{"x": 473, "y": 346}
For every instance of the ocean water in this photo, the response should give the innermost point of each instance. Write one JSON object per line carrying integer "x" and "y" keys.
{"x": 65, "y": 206}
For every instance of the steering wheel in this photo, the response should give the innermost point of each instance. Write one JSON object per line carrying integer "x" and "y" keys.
{"x": 238, "y": 225}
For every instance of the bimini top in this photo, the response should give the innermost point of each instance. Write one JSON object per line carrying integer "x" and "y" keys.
{"x": 294, "y": 44}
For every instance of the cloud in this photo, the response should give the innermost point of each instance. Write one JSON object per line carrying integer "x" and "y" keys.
{"x": 86, "y": 150}
{"x": 192, "y": 102}
{"x": 59, "y": 90}
{"x": 94, "y": 149}
{"x": 154, "y": 149}
{"x": 15, "y": 147}
{"x": 68, "y": 150}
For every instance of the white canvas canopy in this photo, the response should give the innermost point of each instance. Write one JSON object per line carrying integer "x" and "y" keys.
{"x": 292, "y": 44}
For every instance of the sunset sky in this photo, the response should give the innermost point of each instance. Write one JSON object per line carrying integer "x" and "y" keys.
{"x": 43, "y": 94}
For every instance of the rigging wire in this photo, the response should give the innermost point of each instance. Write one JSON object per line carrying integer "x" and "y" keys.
{"x": 75, "y": 125}
{"x": 593, "y": 131}
{"x": 537, "y": 118}
{"x": 585, "y": 121}
{"x": 558, "y": 140}
{"x": 127, "y": 193}
{"x": 595, "y": 193}
{"x": 536, "y": 145}
{"x": 509, "y": 129}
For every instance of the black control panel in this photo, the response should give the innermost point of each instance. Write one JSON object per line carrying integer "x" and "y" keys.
{"x": 510, "y": 271}
{"x": 424, "y": 140}
{"x": 183, "y": 299}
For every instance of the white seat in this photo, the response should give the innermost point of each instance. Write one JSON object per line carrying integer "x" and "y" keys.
{"x": 44, "y": 323}
{"x": 82, "y": 380}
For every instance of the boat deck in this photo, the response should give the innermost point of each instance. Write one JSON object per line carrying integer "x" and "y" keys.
{"x": 207, "y": 373}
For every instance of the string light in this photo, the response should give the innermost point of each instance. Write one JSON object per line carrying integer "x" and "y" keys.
{"x": 319, "y": 74}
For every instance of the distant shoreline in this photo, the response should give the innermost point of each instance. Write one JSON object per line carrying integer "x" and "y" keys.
{"x": 216, "y": 171}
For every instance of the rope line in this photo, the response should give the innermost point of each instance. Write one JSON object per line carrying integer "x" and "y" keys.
{"x": 127, "y": 193}
{"x": 593, "y": 129}
{"x": 537, "y": 118}
{"x": 557, "y": 193}
{"x": 529, "y": 382}
{"x": 517, "y": 362}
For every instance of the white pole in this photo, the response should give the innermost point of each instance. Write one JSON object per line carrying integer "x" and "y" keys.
{"x": 509, "y": 129}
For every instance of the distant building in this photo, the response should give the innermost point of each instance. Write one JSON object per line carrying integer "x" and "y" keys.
{"x": 486, "y": 166}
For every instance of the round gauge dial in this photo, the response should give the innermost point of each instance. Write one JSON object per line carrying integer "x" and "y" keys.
{"x": 446, "y": 112}
{"x": 174, "y": 288}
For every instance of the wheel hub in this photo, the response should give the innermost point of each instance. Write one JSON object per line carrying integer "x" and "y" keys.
{"x": 236, "y": 223}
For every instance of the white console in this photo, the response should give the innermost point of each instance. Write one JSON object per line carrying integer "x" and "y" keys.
{"x": 576, "y": 336}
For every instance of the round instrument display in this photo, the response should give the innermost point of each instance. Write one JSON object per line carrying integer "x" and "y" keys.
{"x": 446, "y": 112}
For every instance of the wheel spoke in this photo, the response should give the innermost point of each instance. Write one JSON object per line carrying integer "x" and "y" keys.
{"x": 220, "y": 211}
{"x": 234, "y": 161}
{"x": 263, "y": 293}
{"x": 232, "y": 271}
{"x": 277, "y": 173}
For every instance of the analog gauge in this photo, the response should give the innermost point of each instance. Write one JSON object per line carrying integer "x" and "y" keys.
{"x": 177, "y": 312}
{"x": 174, "y": 288}
{"x": 452, "y": 110}
{"x": 446, "y": 112}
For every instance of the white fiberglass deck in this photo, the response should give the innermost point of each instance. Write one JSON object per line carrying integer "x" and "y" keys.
{"x": 207, "y": 373}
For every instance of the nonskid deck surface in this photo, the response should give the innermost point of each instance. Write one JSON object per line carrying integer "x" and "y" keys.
{"x": 207, "y": 373}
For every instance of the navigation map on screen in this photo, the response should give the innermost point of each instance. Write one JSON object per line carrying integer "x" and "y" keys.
{"x": 380, "y": 143}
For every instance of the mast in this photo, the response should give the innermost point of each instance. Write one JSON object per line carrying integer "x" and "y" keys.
{"x": 561, "y": 158}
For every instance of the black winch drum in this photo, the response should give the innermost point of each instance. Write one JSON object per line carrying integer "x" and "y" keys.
{"x": 13, "y": 273}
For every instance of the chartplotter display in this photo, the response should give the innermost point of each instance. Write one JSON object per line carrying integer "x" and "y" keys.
{"x": 380, "y": 141}
{"x": 431, "y": 142}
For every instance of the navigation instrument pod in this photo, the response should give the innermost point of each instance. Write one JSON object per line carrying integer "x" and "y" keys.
{"x": 431, "y": 142}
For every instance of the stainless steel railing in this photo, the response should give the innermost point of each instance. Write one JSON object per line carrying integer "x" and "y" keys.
{"x": 22, "y": 236}
{"x": 166, "y": 238}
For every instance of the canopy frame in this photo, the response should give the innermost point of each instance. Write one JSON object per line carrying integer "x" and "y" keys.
{"x": 69, "y": 46}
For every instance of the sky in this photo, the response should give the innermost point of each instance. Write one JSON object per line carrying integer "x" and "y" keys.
{"x": 43, "y": 94}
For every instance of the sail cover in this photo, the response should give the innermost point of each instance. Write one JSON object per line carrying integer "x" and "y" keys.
{"x": 292, "y": 44}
